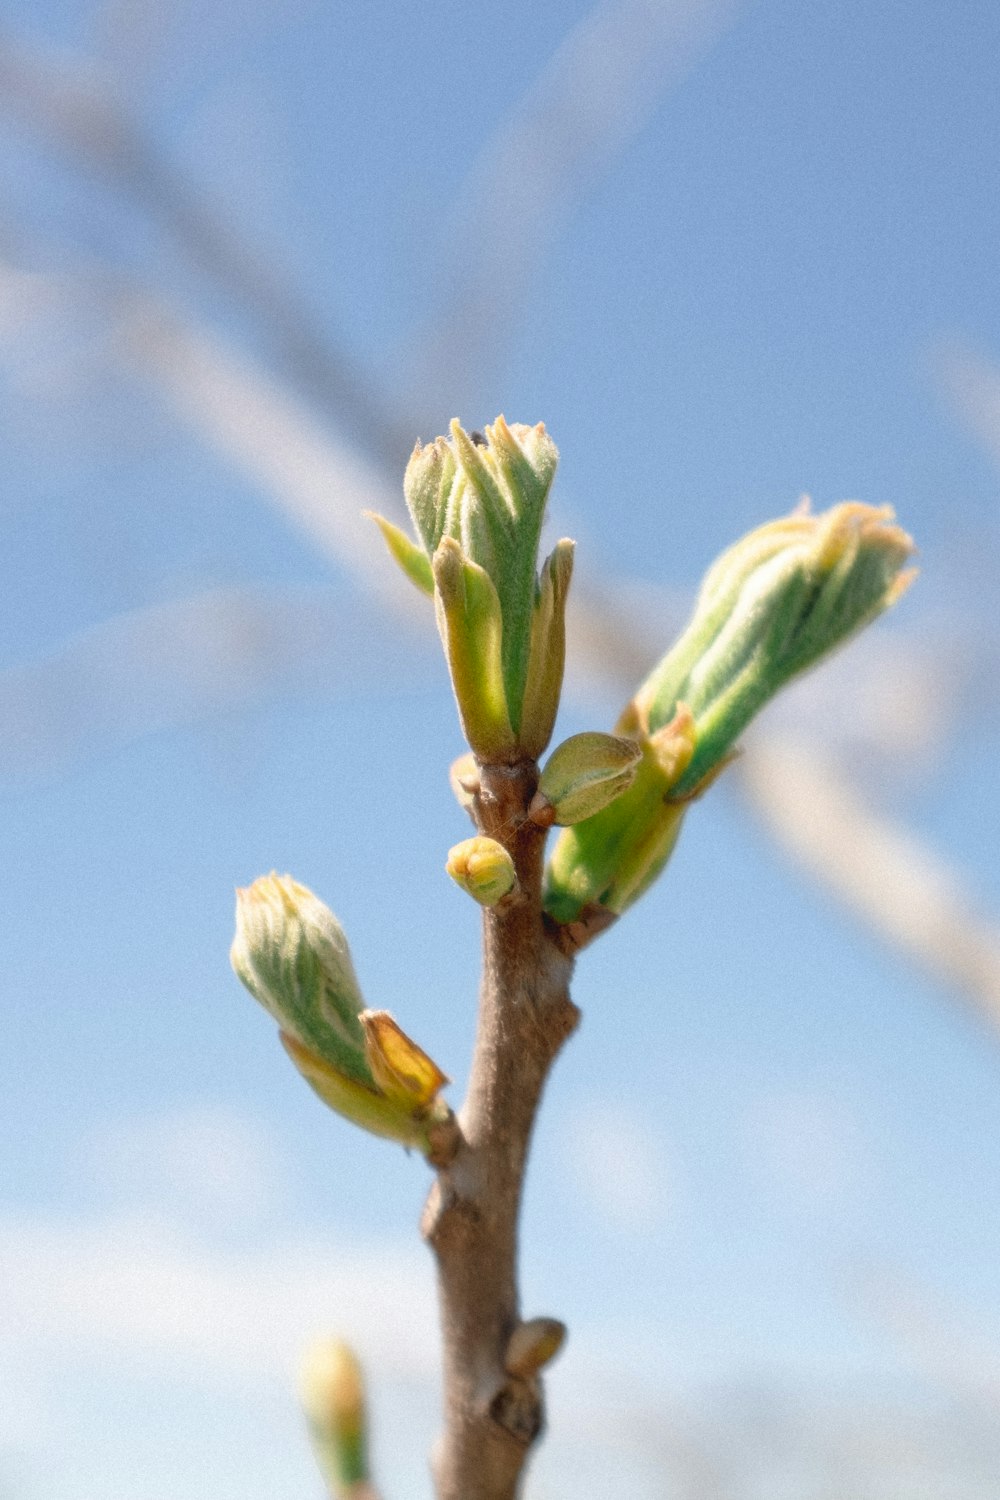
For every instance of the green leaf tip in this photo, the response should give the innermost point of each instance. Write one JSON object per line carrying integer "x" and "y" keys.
{"x": 412, "y": 559}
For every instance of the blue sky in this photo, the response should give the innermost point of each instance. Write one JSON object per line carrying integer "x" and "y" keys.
{"x": 767, "y": 1176}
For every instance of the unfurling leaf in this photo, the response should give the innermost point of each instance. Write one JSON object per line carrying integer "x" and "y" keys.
{"x": 772, "y": 605}
{"x": 478, "y": 511}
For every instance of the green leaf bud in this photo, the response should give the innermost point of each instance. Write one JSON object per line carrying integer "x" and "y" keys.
{"x": 332, "y": 1392}
{"x": 772, "y": 605}
{"x": 291, "y": 953}
{"x": 483, "y": 868}
{"x": 583, "y": 775}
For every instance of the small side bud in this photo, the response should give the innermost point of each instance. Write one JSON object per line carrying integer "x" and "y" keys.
{"x": 532, "y": 1345}
{"x": 332, "y": 1392}
{"x": 463, "y": 775}
{"x": 583, "y": 775}
{"x": 483, "y": 868}
{"x": 610, "y": 859}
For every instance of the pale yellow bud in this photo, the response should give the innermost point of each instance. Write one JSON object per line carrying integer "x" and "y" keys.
{"x": 532, "y": 1345}
{"x": 482, "y": 867}
{"x": 331, "y": 1389}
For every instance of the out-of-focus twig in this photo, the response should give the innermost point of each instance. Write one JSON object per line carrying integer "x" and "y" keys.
{"x": 972, "y": 387}
{"x": 74, "y": 109}
{"x": 593, "y": 96}
{"x": 930, "y": 1333}
{"x": 321, "y": 485}
{"x": 885, "y": 874}
{"x": 170, "y": 664}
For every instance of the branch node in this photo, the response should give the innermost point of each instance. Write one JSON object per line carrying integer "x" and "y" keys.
{"x": 444, "y": 1141}
{"x": 517, "y": 1408}
{"x": 447, "y": 1216}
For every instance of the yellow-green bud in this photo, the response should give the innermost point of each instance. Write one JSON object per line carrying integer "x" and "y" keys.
{"x": 482, "y": 867}
{"x": 583, "y": 775}
{"x": 332, "y": 1392}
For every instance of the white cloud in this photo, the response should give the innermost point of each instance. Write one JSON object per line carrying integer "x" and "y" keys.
{"x": 137, "y": 1289}
{"x": 204, "y": 1160}
{"x": 618, "y": 1166}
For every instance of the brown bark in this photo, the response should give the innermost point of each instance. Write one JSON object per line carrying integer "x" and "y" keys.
{"x": 471, "y": 1220}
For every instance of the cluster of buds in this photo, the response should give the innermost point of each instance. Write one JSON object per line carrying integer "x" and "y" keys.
{"x": 785, "y": 595}
{"x": 291, "y": 953}
{"x": 478, "y": 507}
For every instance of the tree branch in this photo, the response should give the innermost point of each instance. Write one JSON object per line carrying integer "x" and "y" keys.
{"x": 492, "y": 1416}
